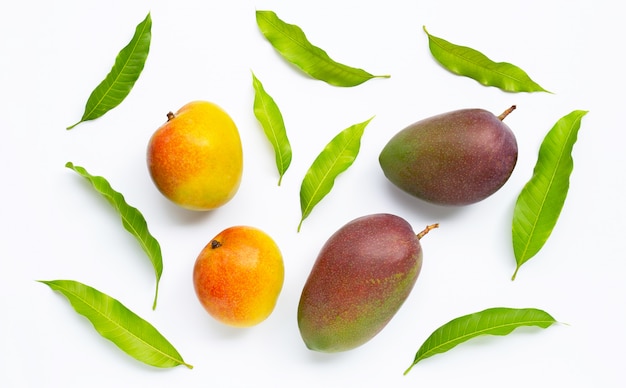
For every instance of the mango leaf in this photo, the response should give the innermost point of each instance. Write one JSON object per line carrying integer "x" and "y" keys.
{"x": 117, "y": 323}
{"x": 493, "y": 321}
{"x": 132, "y": 219}
{"x": 470, "y": 63}
{"x": 118, "y": 83}
{"x": 271, "y": 119}
{"x": 336, "y": 157}
{"x": 291, "y": 42}
{"x": 540, "y": 202}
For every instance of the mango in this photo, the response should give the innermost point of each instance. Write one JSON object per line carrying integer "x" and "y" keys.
{"x": 452, "y": 159}
{"x": 361, "y": 277}
{"x": 195, "y": 159}
{"x": 238, "y": 276}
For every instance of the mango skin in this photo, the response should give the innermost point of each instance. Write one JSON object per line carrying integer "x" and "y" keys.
{"x": 452, "y": 159}
{"x": 361, "y": 277}
{"x": 195, "y": 159}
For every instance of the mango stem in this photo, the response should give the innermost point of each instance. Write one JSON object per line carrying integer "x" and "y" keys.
{"x": 506, "y": 112}
{"x": 426, "y": 230}
{"x": 170, "y": 116}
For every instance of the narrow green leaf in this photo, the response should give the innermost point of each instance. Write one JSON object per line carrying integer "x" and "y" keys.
{"x": 336, "y": 157}
{"x": 493, "y": 321}
{"x": 540, "y": 202}
{"x": 118, "y": 83}
{"x": 268, "y": 114}
{"x": 132, "y": 219}
{"x": 117, "y": 323}
{"x": 291, "y": 42}
{"x": 470, "y": 63}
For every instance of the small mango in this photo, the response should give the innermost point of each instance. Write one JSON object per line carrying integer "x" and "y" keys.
{"x": 238, "y": 276}
{"x": 362, "y": 275}
{"x": 195, "y": 159}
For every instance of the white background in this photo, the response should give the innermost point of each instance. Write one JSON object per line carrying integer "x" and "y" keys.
{"x": 54, "y": 226}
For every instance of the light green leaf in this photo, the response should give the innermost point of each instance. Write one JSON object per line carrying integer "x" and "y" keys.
{"x": 118, "y": 83}
{"x": 470, "y": 63}
{"x": 291, "y": 42}
{"x": 336, "y": 157}
{"x": 117, "y": 323}
{"x": 268, "y": 114}
{"x": 132, "y": 219}
{"x": 540, "y": 202}
{"x": 493, "y": 321}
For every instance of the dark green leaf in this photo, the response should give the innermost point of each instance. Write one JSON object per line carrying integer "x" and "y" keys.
{"x": 468, "y": 62}
{"x": 117, "y": 323}
{"x": 118, "y": 83}
{"x": 291, "y": 42}
{"x": 132, "y": 219}
{"x": 540, "y": 202}
{"x": 336, "y": 157}
{"x": 493, "y": 321}
{"x": 268, "y": 114}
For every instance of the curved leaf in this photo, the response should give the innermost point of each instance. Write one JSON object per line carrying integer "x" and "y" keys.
{"x": 268, "y": 114}
{"x": 540, "y": 202}
{"x": 132, "y": 219}
{"x": 117, "y": 323}
{"x": 494, "y": 321}
{"x": 468, "y": 62}
{"x": 291, "y": 42}
{"x": 336, "y": 157}
{"x": 118, "y": 83}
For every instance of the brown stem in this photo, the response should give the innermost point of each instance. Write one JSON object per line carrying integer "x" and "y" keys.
{"x": 170, "y": 116}
{"x": 426, "y": 230}
{"x": 506, "y": 112}
{"x": 215, "y": 244}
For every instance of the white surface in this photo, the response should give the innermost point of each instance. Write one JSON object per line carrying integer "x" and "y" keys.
{"x": 55, "y": 226}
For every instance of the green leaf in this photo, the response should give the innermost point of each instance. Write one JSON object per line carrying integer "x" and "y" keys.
{"x": 132, "y": 219}
{"x": 118, "y": 83}
{"x": 268, "y": 114}
{"x": 291, "y": 42}
{"x": 117, "y": 323}
{"x": 540, "y": 202}
{"x": 493, "y": 321}
{"x": 470, "y": 63}
{"x": 336, "y": 157}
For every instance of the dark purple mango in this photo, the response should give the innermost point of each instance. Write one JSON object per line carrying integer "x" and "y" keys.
{"x": 361, "y": 277}
{"x": 455, "y": 158}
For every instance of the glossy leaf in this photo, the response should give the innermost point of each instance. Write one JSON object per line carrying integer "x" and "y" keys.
{"x": 494, "y": 321}
{"x": 128, "y": 65}
{"x": 470, "y": 63}
{"x": 117, "y": 323}
{"x": 132, "y": 219}
{"x": 291, "y": 42}
{"x": 540, "y": 202}
{"x": 336, "y": 157}
{"x": 271, "y": 119}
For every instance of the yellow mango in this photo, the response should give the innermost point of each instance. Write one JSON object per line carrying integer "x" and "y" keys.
{"x": 195, "y": 159}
